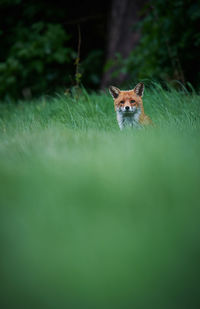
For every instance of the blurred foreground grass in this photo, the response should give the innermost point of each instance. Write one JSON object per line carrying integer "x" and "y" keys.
{"x": 92, "y": 217}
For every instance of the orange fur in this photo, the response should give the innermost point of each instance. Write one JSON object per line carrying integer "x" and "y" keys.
{"x": 129, "y": 103}
{"x": 129, "y": 95}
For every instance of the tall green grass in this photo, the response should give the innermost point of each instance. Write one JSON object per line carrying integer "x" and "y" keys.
{"x": 95, "y": 217}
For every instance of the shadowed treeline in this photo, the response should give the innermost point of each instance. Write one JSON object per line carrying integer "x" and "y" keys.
{"x": 44, "y": 42}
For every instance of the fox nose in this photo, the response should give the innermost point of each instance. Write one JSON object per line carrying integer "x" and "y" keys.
{"x": 127, "y": 108}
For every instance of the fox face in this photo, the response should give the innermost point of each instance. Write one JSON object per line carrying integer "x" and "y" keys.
{"x": 129, "y": 106}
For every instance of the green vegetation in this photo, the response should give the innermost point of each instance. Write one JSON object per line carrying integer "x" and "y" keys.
{"x": 39, "y": 45}
{"x": 29, "y": 67}
{"x": 169, "y": 45}
{"x": 93, "y": 217}
{"x": 39, "y": 48}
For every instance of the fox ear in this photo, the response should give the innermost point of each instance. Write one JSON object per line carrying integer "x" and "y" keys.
{"x": 114, "y": 91}
{"x": 139, "y": 89}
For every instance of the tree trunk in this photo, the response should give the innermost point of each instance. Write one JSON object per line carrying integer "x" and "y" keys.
{"x": 122, "y": 37}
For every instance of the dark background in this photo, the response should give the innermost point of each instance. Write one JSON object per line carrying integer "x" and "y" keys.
{"x": 120, "y": 42}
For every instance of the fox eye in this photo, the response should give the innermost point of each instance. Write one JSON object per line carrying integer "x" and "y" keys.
{"x": 122, "y": 102}
{"x": 132, "y": 101}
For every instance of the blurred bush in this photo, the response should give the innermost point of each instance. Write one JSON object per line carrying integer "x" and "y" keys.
{"x": 39, "y": 44}
{"x": 36, "y": 60}
{"x": 169, "y": 44}
{"x": 91, "y": 67}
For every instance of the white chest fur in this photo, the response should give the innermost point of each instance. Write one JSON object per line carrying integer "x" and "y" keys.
{"x": 128, "y": 119}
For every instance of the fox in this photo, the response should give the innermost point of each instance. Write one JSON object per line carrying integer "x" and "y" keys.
{"x": 129, "y": 107}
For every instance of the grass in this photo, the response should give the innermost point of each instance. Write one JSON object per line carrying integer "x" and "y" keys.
{"x": 92, "y": 217}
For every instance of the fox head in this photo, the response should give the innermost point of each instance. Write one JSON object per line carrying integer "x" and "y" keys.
{"x": 128, "y": 102}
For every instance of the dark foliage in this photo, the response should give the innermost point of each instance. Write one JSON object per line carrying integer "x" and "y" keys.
{"x": 169, "y": 47}
{"x": 39, "y": 42}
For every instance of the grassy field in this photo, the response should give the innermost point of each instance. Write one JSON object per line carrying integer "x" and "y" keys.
{"x": 95, "y": 217}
